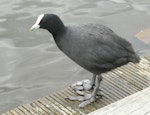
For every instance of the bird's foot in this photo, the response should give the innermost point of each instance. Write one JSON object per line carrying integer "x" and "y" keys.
{"x": 85, "y": 97}
{"x": 84, "y": 85}
{"x": 87, "y": 102}
{"x": 83, "y": 88}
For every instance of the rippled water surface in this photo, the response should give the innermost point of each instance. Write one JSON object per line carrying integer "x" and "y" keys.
{"x": 31, "y": 66}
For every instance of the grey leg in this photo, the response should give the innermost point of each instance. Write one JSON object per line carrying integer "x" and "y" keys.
{"x": 98, "y": 80}
{"x": 94, "y": 93}
{"x": 93, "y": 80}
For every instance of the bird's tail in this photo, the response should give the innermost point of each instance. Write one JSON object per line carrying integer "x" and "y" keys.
{"x": 135, "y": 58}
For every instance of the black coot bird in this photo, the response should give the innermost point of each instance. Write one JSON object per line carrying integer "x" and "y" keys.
{"x": 93, "y": 46}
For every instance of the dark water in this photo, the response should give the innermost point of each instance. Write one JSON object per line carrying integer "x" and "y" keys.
{"x": 31, "y": 66}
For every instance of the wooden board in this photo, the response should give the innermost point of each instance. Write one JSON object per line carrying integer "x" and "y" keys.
{"x": 136, "y": 104}
{"x": 116, "y": 85}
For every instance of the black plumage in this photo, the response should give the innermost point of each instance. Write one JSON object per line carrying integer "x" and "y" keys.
{"x": 93, "y": 46}
{"x": 97, "y": 48}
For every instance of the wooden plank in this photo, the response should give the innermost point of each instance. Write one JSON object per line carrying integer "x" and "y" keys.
{"x": 147, "y": 58}
{"x": 48, "y": 107}
{"x": 112, "y": 93}
{"x": 8, "y": 113}
{"x": 70, "y": 92}
{"x": 3, "y": 114}
{"x": 116, "y": 85}
{"x": 67, "y": 102}
{"x": 142, "y": 110}
{"x": 24, "y": 111}
{"x": 136, "y": 70}
{"x": 130, "y": 77}
{"x": 42, "y": 108}
{"x": 29, "y": 108}
{"x": 129, "y": 87}
{"x": 63, "y": 102}
{"x": 128, "y": 105}
{"x": 135, "y": 76}
{"x": 37, "y": 108}
{"x": 126, "y": 87}
{"x": 14, "y": 112}
{"x": 145, "y": 73}
{"x": 18, "y": 111}
{"x": 57, "y": 105}
{"x": 118, "y": 93}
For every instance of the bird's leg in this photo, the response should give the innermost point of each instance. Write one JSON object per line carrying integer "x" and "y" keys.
{"x": 88, "y": 97}
{"x": 83, "y": 89}
{"x": 93, "y": 81}
{"x": 98, "y": 81}
{"x": 84, "y": 85}
{"x": 92, "y": 97}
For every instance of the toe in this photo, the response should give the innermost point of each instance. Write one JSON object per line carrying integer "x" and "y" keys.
{"x": 87, "y": 84}
{"x": 78, "y": 85}
{"x": 80, "y": 92}
{"x": 82, "y": 85}
{"x": 87, "y": 102}
{"x": 87, "y": 96}
{"x": 76, "y": 98}
{"x": 77, "y": 88}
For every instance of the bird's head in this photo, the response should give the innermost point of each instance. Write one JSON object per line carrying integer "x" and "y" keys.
{"x": 50, "y": 22}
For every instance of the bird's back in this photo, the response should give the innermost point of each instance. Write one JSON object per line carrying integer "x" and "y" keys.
{"x": 96, "y": 47}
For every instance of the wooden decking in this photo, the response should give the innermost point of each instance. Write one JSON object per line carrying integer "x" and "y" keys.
{"x": 115, "y": 86}
{"x": 136, "y": 104}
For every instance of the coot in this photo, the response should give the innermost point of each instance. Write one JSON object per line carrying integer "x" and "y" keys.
{"x": 94, "y": 47}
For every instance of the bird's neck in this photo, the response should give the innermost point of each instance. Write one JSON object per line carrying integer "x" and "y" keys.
{"x": 61, "y": 39}
{"x": 57, "y": 30}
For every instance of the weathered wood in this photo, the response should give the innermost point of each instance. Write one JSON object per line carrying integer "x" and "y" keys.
{"x": 14, "y": 112}
{"x": 24, "y": 111}
{"x": 48, "y": 108}
{"x": 136, "y": 104}
{"x": 18, "y": 111}
{"x": 3, "y": 114}
{"x": 8, "y": 113}
{"x": 30, "y": 109}
{"x": 117, "y": 85}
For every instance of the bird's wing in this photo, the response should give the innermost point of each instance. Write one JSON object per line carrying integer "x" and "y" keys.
{"x": 96, "y": 45}
{"x": 106, "y": 46}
